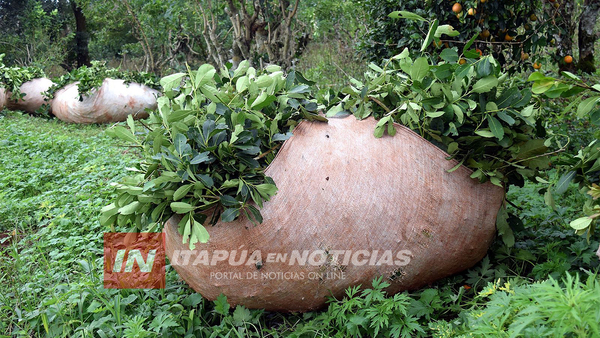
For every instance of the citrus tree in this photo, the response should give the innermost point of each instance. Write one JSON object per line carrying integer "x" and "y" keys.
{"x": 514, "y": 32}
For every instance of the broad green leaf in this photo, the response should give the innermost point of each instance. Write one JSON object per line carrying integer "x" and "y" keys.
{"x": 420, "y": 69}
{"x": 532, "y": 148}
{"x": 260, "y": 99}
{"x": 181, "y": 207}
{"x": 182, "y": 191}
{"x": 131, "y": 124}
{"x": 230, "y": 214}
{"x": 485, "y": 85}
{"x": 264, "y": 81}
{"x": 430, "y": 36}
{"x": 171, "y": 81}
{"x": 539, "y": 87}
{"x": 447, "y": 30}
{"x": 201, "y": 158}
{"x": 404, "y": 54}
{"x": 406, "y": 15}
{"x": 204, "y": 75}
{"x": 581, "y": 223}
{"x": 124, "y": 134}
{"x": 527, "y": 111}
{"x": 537, "y": 76}
{"x": 452, "y": 147}
{"x": 266, "y": 190}
{"x": 509, "y": 98}
{"x": 199, "y": 234}
{"x": 434, "y": 114}
{"x": 449, "y": 55}
{"x": 563, "y": 182}
{"x": 495, "y": 127}
{"x": 130, "y": 208}
{"x": 506, "y": 118}
{"x": 375, "y": 67}
{"x": 484, "y": 67}
{"x": 571, "y": 76}
{"x": 242, "y": 84}
{"x": 335, "y": 110}
{"x": 586, "y": 106}
{"x": 485, "y": 133}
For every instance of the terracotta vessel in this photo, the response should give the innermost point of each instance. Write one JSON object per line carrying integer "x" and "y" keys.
{"x": 350, "y": 208}
{"x": 33, "y": 99}
{"x": 112, "y": 102}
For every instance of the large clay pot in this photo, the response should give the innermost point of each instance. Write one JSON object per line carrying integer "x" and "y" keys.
{"x": 33, "y": 99}
{"x": 2, "y": 99}
{"x": 340, "y": 188}
{"x": 112, "y": 102}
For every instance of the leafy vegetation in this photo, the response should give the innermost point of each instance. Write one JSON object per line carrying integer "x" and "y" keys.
{"x": 52, "y": 265}
{"x": 92, "y": 77}
{"x": 55, "y": 178}
{"x": 515, "y": 33}
{"x": 11, "y": 78}
{"x": 206, "y": 148}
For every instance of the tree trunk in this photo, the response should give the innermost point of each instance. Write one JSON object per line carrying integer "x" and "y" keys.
{"x": 587, "y": 37}
{"x": 564, "y": 40}
{"x": 81, "y": 36}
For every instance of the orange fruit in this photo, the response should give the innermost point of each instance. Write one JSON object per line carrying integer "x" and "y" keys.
{"x": 485, "y": 34}
{"x": 483, "y": 1}
{"x": 556, "y": 5}
{"x": 524, "y": 56}
{"x": 462, "y": 61}
{"x": 533, "y": 17}
{"x": 537, "y": 65}
{"x": 457, "y": 8}
{"x": 471, "y": 11}
{"x": 568, "y": 59}
{"x": 479, "y": 52}
{"x": 508, "y": 37}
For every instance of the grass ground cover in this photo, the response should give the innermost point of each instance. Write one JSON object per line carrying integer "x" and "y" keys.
{"x": 54, "y": 179}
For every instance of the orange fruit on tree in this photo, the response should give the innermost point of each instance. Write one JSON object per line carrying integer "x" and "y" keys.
{"x": 483, "y": 1}
{"x": 479, "y": 52}
{"x": 462, "y": 61}
{"x": 568, "y": 59}
{"x": 533, "y": 17}
{"x": 556, "y": 5}
{"x": 457, "y": 8}
{"x": 485, "y": 34}
{"x": 471, "y": 11}
{"x": 524, "y": 56}
{"x": 537, "y": 65}
{"x": 508, "y": 37}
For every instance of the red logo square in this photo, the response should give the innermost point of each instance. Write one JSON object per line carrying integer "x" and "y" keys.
{"x": 134, "y": 260}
